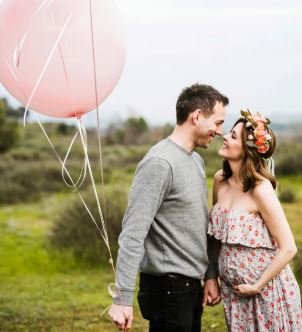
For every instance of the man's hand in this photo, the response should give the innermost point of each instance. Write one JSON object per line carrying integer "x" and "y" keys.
{"x": 122, "y": 316}
{"x": 211, "y": 295}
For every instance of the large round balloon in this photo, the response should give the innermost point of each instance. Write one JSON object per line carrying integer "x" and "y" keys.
{"x": 58, "y": 56}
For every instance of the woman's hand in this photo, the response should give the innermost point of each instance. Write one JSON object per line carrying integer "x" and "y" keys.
{"x": 246, "y": 290}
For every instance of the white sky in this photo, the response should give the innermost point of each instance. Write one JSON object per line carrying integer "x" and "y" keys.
{"x": 253, "y": 54}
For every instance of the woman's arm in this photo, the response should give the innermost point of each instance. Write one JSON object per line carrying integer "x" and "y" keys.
{"x": 273, "y": 215}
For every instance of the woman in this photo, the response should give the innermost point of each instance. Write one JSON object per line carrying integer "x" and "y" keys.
{"x": 259, "y": 290}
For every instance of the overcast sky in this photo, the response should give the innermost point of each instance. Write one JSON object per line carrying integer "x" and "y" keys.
{"x": 253, "y": 54}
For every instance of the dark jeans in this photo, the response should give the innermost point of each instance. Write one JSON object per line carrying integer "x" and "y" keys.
{"x": 171, "y": 304}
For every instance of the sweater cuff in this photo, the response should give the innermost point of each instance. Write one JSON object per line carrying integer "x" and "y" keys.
{"x": 123, "y": 297}
{"x": 212, "y": 272}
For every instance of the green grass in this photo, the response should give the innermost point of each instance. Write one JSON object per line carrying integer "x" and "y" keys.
{"x": 46, "y": 290}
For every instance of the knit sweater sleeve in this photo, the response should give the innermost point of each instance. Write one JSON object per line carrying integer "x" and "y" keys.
{"x": 151, "y": 184}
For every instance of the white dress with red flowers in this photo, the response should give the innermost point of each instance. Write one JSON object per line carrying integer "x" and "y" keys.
{"x": 247, "y": 248}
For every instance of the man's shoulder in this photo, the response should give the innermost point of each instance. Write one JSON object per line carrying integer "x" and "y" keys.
{"x": 156, "y": 155}
{"x": 162, "y": 150}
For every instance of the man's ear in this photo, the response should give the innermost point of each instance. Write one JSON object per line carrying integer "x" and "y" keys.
{"x": 195, "y": 116}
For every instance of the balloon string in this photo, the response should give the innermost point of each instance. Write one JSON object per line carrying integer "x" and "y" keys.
{"x": 47, "y": 63}
{"x": 64, "y": 65}
{"x": 82, "y": 175}
{"x": 18, "y": 48}
{"x": 82, "y": 135}
{"x": 70, "y": 178}
{"x": 56, "y": 153}
{"x": 80, "y": 181}
{"x": 117, "y": 288}
{"x": 81, "y": 130}
{"x": 97, "y": 110}
{"x": 63, "y": 163}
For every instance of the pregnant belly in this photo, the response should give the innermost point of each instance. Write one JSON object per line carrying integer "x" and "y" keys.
{"x": 243, "y": 265}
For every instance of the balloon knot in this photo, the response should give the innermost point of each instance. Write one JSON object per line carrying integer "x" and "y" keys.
{"x": 78, "y": 115}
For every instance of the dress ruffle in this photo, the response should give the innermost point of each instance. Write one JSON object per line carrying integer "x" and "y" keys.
{"x": 238, "y": 226}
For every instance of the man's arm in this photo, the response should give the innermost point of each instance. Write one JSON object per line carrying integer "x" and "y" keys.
{"x": 211, "y": 286}
{"x": 151, "y": 183}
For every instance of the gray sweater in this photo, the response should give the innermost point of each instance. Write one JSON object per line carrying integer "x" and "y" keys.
{"x": 165, "y": 224}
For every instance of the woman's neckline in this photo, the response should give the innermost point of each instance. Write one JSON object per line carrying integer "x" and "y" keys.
{"x": 237, "y": 209}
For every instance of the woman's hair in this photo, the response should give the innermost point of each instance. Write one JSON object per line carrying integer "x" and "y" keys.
{"x": 253, "y": 167}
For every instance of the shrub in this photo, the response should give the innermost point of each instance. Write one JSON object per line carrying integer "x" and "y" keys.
{"x": 9, "y": 133}
{"x": 287, "y": 195}
{"x": 289, "y": 158}
{"x": 74, "y": 230}
{"x": 23, "y": 181}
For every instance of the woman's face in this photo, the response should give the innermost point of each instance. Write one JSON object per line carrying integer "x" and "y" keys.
{"x": 232, "y": 144}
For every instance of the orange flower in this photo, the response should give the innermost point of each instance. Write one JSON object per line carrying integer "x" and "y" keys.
{"x": 260, "y": 141}
{"x": 263, "y": 149}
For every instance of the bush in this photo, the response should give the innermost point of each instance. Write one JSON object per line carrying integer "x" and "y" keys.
{"x": 289, "y": 158}
{"x": 23, "y": 181}
{"x": 287, "y": 195}
{"x": 28, "y": 172}
{"x": 9, "y": 133}
{"x": 74, "y": 230}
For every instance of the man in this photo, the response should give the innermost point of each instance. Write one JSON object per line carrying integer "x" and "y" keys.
{"x": 164, "y": 233}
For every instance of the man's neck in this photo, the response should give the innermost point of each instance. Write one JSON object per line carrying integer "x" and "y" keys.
{"x": 181, "y": 137}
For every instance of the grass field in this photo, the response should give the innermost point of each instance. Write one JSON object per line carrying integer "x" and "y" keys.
{"x": 45, "y": 290}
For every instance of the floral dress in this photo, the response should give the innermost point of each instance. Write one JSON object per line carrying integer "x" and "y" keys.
{"x": 247, "y": 248}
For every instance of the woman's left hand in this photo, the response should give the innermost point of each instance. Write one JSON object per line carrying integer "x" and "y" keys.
{"x": 246, "y": 290}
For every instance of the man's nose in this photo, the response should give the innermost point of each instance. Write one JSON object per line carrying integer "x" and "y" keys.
{"x": 219, "y": 132}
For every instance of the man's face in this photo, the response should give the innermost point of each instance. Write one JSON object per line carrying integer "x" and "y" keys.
{"x": 208, "y": 127}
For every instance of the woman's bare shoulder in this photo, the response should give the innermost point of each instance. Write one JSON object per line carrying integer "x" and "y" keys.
{"x": 262, "y": 188}
{"x": 219, "y": 180}
{"x": 219, "y": 176}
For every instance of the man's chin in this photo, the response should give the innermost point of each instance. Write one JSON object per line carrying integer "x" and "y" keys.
{"x": 203, "y": 145}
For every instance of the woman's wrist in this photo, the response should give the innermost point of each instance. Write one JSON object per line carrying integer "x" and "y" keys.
{"x": 258, "y": 287}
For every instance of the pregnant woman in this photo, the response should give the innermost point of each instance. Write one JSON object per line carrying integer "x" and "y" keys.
{"x": 259, "y": 289}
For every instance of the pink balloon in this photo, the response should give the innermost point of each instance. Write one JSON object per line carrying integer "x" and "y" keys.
{"x": 55, "y": 35}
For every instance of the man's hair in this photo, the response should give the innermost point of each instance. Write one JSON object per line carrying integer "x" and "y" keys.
{"x": 197, "y": 96}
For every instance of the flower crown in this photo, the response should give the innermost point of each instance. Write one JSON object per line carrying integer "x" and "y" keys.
{"x": 259, "y": 137}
